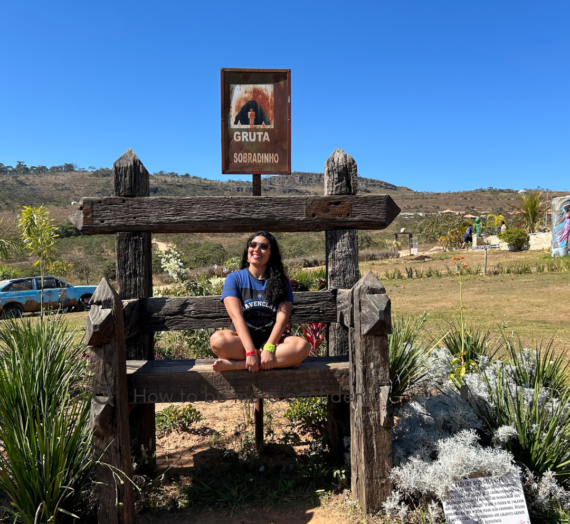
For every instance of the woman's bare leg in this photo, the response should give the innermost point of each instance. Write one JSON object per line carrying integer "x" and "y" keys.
{"x": 227, "y": 346}
{"x": 291, "y": 352}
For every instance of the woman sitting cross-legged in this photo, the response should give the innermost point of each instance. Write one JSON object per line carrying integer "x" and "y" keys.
{"x": 258, "y": 299}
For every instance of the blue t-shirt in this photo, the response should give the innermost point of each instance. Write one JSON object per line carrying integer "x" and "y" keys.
{"x": 258, "y": 313}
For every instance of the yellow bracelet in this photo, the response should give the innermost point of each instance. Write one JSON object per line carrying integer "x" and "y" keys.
{"x": 269, "y": 347}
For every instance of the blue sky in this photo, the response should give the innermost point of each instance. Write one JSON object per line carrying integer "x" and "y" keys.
{"x": 437, "y": 96}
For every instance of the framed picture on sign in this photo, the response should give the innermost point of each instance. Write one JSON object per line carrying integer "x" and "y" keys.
{"x": 256, "y": 121}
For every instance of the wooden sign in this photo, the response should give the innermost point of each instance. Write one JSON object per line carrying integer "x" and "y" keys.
{"x": 486, "y": 500}
{"x": 485, "y": 248}
{"x": 256, "y": 121}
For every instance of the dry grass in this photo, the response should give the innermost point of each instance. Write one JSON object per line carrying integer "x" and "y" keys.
{"x": 532, "y": 305}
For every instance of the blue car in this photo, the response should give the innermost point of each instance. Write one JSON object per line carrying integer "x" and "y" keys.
{"x": 23, "y": 295}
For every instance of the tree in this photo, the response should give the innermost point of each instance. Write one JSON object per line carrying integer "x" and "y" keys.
{"x": 21, "y": 167}
{"x": 532, "y": 207}
{"x": 38, "y": 234}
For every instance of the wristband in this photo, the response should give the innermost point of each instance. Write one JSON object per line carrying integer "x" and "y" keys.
{"x": 251, "y": 353}
{"x": 269, "y": 347}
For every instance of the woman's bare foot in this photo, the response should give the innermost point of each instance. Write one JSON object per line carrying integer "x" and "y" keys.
{"x": 223, "y": 364}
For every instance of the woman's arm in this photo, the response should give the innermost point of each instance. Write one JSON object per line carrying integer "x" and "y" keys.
{"x": 234, "y": 309}
{"x": 281, "y": 321}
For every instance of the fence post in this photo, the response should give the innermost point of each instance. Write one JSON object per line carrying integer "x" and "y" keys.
{"x": 109, "y": 407}
{"x": 341, "y": 178}
{"x": 370, "y": 408}
{"x": 134, "y": 273}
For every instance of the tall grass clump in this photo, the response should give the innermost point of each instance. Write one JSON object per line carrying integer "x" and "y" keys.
{"x": 409, "y": 359}
{"x": 45, "y": 440}
{"x": 529, "y": 422}
{"x": 537, "y": 367}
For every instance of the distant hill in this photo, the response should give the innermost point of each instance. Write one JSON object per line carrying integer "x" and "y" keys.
{"x": 58, "y": 190}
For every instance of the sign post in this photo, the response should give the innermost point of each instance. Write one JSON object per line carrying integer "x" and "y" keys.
{"x": 485, "y": 248}
{"x": 256, "y": 137}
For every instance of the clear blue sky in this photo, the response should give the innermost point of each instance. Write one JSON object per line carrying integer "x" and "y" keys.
{"x": 435, "y": 95}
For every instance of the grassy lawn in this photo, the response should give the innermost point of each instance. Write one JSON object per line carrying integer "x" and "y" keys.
{"x": 534, "y": 306}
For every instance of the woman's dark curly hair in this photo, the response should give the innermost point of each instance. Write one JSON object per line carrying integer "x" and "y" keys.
{"x": 276, "y": 289}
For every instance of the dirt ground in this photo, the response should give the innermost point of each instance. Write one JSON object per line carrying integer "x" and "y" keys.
{"x": 333, "y": 510}
{"x": 223, "y": 426}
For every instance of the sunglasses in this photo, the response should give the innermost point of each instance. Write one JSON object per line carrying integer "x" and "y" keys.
{"x": 262, "y": 245}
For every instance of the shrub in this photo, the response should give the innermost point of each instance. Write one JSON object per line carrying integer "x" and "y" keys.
{"x": 433, "y": 228}
{"x": 67, "y": 229}
{"x": 59, "y": 268}
{"x": 46, "y": 458}
{"x": 475, "y": 343}
{"x": 182, "y": 345}
{"x": 176, "y": 418}
{"x": 7, "y": 273}
{"x": 516, "y": 237}
{"x": 308, "y": 416}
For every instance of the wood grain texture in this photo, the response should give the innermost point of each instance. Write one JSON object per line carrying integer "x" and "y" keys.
{"x": 341, "y": 178}
{"x": 194, "y": 380}
{"x": 232, "y": 214}
{"x": 110, "y": 418}
{"x": 341, "y": 174}
{"x": 370, "y": 418}
{"x": 134, "y": 274}
{"x": 130, "y": 176}
{"x": 168, "y": 314}
{"x": 100, "y": 326}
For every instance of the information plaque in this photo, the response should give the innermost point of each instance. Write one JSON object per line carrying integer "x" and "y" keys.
{"x": 486, "y": 500}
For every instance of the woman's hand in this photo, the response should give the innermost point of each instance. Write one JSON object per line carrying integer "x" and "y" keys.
{"x": 267, "y": 360}
{"x": 252, "y": 363}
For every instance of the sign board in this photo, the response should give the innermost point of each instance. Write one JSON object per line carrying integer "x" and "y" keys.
{"x": 485, "y": 248}
{"x": 256, "y": 121}
{"x": 486, "y": 500}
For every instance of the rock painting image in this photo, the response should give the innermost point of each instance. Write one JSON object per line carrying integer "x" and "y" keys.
{"x": 252, "y": 106}
{"x": 561, "y": 226}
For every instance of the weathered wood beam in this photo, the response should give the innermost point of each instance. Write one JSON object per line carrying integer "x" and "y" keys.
{"x": 194, "y": 381}
{"x": 100, "y": 326}
{"x": 233, "y": 214}
{"x": 341, "y": 178}
{"x": 370, "y": 411}
{"x": 169, "y": 314}
{"x": 134, "y": 274}
{"x": 110, "y": 413}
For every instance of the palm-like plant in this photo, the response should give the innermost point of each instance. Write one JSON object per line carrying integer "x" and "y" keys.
{"x": 9, "y": 242}
{"x": 532, "y": 206}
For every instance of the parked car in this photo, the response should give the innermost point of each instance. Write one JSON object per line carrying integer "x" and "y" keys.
{"x": 23, "y": 295}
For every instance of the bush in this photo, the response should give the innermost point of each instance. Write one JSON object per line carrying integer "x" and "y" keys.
{"x": 476, "y": 343}
{"x": 183, "y": 345}
{"x": 46, "y": 458}
{"x": 433, "y": 228}
{"x": 176, "y": 418}
{"x": 67, "y": 229}
{"x": 516, "y": 237}
{"x": 7, "y": 273}
{"x": 200, "y": 254}
{"x": 308, "y": 416}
